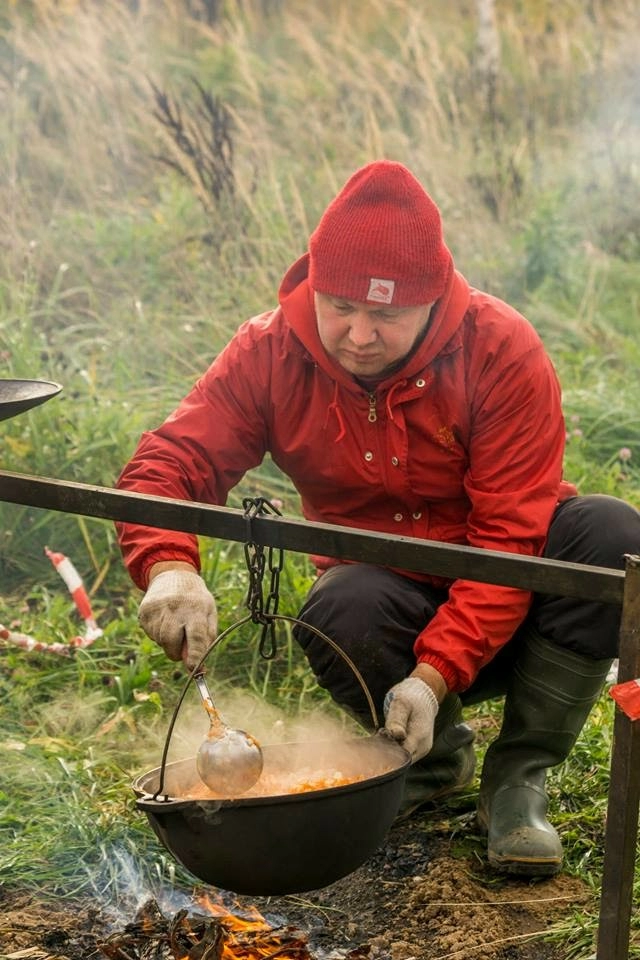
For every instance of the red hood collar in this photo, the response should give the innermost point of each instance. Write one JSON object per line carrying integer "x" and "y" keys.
{"x": 296, "y": 301}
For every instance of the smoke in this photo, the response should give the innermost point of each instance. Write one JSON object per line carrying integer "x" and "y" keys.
{"x": 120, "y": 884}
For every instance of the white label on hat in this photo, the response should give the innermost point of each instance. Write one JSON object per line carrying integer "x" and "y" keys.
{"x": 381, "y": 290}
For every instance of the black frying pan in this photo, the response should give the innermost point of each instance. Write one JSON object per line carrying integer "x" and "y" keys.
{"x": 16, "y": 396}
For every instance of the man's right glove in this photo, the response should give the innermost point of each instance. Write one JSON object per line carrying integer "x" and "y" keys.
{"x": 410, "y": 709}
{"x": 177, "y": 610}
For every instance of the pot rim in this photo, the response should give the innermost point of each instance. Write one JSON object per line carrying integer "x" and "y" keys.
{"x": 165, "y": 801}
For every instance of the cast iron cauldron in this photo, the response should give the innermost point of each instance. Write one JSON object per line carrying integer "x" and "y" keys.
{"x": 293, "y": 843}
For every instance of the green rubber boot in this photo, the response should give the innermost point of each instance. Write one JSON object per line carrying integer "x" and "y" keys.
{"x": 448, "y": 767}
{"x": 548, "y": 701}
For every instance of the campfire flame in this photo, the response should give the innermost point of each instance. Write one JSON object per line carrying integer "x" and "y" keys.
{"x": 252, "y": 936}
{"x": 220, "y": 934}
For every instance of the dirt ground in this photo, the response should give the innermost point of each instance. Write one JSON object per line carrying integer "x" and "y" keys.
{"x": 419, "y": 897}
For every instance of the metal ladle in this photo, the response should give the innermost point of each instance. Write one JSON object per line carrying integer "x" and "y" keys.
{"x": 229, "y": 761}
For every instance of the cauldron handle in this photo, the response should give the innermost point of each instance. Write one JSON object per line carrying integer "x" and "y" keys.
{"x": 271, "y": 618}
{"x": 338, "y": 649}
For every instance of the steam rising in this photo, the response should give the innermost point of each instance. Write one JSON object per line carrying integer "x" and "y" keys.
{"x": 267, "y": 723}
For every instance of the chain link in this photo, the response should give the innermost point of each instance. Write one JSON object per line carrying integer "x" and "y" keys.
{"x": 262, "y": 610}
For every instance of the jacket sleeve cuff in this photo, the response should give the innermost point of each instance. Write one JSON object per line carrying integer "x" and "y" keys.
{"x": 449, "y": 675}
{"x": 162, "y": 556}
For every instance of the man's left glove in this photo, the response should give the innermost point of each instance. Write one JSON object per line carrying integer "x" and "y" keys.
{"x": 410, "y": 709}
{"x": 179, "y": 611}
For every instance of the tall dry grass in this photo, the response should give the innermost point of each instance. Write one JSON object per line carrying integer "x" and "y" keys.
{"x": 315, "y": 90}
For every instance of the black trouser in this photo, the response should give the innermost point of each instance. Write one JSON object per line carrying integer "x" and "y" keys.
{"x": 375, "y": 615}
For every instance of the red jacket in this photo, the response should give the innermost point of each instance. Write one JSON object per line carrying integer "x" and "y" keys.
{"x": 464, "y": 444}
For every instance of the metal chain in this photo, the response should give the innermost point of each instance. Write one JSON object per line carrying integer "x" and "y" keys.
{"x": 262, "y": 610}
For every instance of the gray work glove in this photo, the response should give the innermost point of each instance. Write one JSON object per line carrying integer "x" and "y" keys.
{"x": 410, "y": 709}
{"x": 177, "y": 610}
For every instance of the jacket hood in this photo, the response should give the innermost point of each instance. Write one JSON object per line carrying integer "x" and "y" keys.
{"x": 296, "y": 300}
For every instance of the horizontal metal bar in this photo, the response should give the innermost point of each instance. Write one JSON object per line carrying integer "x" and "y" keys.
{"x": 304, "y": 536}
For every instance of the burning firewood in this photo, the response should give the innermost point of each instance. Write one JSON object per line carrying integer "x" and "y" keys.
{"x": 152, "y": 936}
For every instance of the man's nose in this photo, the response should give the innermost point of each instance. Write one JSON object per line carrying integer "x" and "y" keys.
{"x": 362, "y": 331}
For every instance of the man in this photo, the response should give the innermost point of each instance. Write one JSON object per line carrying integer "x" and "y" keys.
{"x": 399, "y": 399}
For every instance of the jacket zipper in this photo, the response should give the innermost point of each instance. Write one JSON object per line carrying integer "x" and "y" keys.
{"x": 373, "y": 416}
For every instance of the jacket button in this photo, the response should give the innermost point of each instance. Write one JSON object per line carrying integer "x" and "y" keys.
{"x": 395, "y": 461}
{"x": 368, "y": 455}
{"x": 397, "y": 517}
{"x": 416, "y": 515}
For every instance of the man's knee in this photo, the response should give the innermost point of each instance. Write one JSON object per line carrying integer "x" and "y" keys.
{"x": 352, "y": 584}
{"x": 363, "y": 604}
{"x": 595, "y": 529}
{"x": 344, "y": 605}
{"x": 374, "y": 616}
{"x": 346, "y": 601}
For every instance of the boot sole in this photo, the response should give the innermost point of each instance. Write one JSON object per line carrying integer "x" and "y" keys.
{"x": 524, "y": 867}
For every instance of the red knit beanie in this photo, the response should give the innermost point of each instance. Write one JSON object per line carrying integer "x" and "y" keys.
{"x": 380, "y": 240}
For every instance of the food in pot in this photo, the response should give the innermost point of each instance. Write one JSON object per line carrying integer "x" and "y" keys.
{"x": 291, "y": 770}
{"x": 277, "y": 785}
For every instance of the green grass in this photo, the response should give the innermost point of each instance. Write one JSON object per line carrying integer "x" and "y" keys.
{"x": 76, "y": 730}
